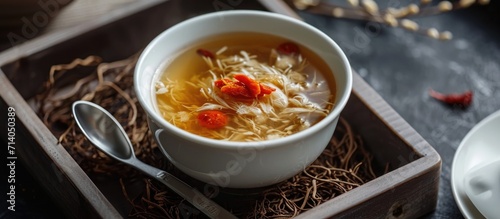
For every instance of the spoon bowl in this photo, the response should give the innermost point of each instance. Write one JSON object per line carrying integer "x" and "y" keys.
{"x": 101, "y": 129}
{"x": 104, "y": 132}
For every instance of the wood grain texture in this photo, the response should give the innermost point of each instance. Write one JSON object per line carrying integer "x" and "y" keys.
{"x": 47, "y": 160}
{"x": 50, "y": 163}
{"x": 409, "y": 190}
{"x": 82, "y": 10}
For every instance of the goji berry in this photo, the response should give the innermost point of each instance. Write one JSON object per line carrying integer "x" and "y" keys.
{"x": 243, "y": 87}
{"x": 251, "y": 85}
{"x": 222, "y": 82}
{"x": 236, "y": 89}
{"x": 212, "y": 119}
{"x": 205, "y": 53}
{"x": 288, "y": 48}
{"x": 264, "y": 89}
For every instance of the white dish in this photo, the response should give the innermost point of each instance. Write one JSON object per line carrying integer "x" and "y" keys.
{"x": 481, "y": 144}
{"x": 482, "y": 185}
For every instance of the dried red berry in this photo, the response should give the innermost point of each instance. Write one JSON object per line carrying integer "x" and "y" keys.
{"x": 212, "y": 119}
{"x": 264, "y": 89}
{"x": 205, "y": 53}
{"x": 251, "y": 85}
{"x": 243, "y": 87}
{"x": 288, "y": 48}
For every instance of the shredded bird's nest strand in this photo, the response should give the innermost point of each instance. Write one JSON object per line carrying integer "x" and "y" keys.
{"x": 344, "y": 165}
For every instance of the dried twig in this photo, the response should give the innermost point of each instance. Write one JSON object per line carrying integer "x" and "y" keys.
{"x": 369, "y": 10}
{"x": 113, "y": 93}
{"x": 344, "y": 165}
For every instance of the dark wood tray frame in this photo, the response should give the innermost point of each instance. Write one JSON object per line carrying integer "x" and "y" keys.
{"x": 409, "y": 190}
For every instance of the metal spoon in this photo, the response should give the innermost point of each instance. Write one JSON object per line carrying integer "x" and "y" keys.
{"x": 102, "y": 129}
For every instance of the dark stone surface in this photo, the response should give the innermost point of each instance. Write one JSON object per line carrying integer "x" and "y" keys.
{"x": 401, "y": 66}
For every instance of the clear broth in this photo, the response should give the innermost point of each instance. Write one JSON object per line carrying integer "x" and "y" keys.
{"x": 188, "y": 65}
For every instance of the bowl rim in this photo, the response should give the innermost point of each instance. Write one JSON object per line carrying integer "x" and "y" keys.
{"x": 225, "y": 144}
{"x": 460, "y": 165}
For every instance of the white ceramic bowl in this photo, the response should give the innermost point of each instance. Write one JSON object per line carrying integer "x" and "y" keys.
{"x": 240, "y": 164}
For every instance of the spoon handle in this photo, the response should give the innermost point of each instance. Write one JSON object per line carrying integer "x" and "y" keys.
{"x": 206, "y": 205}
{"x": 193, "y": 196}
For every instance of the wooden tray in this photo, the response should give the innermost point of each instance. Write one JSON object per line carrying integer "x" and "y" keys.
{"x": 409, "y": 190}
